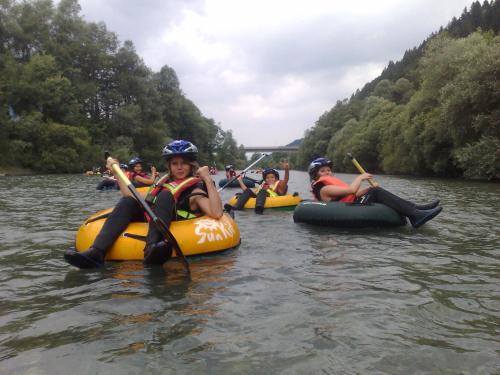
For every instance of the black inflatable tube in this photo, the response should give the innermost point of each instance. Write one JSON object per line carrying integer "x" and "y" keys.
{"x": 107, "y": 185}
{"x": 347, "y": 215}
{"x": 247, "y": 181}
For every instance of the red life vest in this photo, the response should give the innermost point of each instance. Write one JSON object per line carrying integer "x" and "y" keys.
{"x": 334, "y": 181}
{"x": 131, "y": 176}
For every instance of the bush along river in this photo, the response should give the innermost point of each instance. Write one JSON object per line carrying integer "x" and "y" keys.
{"x": 292, "y": 299}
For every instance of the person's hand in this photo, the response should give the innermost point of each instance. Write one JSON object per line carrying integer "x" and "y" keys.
{"x": 154, "y": 172}
{"x": 284, "y": 164}
{"x": 365, "y": 176}
{"x": 203, "y": 172}
{"x": 110, "y": 162}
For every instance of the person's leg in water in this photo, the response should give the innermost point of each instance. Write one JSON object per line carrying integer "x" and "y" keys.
{"x": 126, "y": 210}
{"x": 157, "y": 250}
{"x": 417, "y": 216}
{"x": 260, "y": 201}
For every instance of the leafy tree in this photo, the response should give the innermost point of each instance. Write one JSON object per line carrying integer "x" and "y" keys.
{"x": 435, "y": 112}
{"x": 69, "y": 90}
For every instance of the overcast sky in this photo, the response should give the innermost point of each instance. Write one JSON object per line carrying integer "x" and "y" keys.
{"x": 267, "y": 69}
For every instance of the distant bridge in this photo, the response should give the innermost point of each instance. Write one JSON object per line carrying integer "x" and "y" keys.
{"x": 271, "y": 149}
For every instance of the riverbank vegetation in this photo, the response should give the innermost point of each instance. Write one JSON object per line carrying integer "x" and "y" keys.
{"x": 434, "y": 113}
{"x": 69, "y": 89}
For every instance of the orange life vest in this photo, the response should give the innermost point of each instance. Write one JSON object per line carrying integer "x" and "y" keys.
{"x": 334, "y": 181}
{"x": 177, "y": 187}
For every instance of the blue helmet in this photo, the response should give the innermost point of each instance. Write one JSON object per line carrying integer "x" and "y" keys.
{"x": 180, "y": 148}
{"x": 123, "y": 166}
{"x": 270, "y": 171}
{"x": 134, "y": 161}
{"x": 316, "y": 164}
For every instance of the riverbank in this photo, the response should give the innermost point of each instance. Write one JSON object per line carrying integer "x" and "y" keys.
{"x": 16, "y": 171}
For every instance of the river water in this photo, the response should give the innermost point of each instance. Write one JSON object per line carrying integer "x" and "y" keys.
{"x": 292, "y": 299}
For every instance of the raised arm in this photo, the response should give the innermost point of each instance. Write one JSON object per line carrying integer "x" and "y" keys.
{"x": 147, "y": 180}
{"x": 211, "y": 206}
{"x": 284, "y": 183}
{"x": 242, "y": 184}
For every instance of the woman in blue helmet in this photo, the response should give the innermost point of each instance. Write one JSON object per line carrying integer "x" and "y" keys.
{"x": 271, "y": 186}
{"x": 188, "y": 192}
{"x": 327, "y": 188}
{"x": 136, "y": 175}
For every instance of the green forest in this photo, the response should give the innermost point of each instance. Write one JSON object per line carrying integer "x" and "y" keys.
{"x": 436, "y": 112}
{"x": 69, "y": 89}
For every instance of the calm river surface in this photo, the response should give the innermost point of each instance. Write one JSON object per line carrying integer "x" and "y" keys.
{"x": 292, "y": 299}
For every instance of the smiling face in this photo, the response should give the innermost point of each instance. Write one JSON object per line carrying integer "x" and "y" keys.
{"x": 270, "y": 179}
{"x": 138, "y": 168}
{"x": 179, "y": 168}
{"x": 324, "y": 171}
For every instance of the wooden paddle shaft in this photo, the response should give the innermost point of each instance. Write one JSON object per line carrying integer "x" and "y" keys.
{"x": 361, "y": 170}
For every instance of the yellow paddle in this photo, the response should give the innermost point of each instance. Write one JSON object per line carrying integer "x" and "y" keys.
{"x": 160, "y": 224}
{"x": 361, "y": 170}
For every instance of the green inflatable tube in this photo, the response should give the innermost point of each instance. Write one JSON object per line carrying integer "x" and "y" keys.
{"x": 347, "y": 215}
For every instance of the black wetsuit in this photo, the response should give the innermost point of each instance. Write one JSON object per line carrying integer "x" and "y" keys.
{"x": 128, "y": 209}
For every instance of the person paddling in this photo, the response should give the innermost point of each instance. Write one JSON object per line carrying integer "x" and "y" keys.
{"x": 136, "y": 174}
{"x": 271, "y": 186}
{"x": 182, "y": 196}
{"x": 327, "y": 188}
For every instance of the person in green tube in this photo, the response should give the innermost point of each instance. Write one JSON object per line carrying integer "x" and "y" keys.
{"x": 327, "y": 188}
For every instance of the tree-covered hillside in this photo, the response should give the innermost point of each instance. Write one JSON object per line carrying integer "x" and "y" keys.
{"x": 436, "y": 112}
{"x": 69, "y": 89}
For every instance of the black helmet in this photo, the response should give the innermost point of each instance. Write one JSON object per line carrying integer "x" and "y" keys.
{"x": 272, "y": 171}
{"x": 180, "y": 148}
{"x": 229, "y": 167}
{"x": 316, "y": 164}
{"x": 123, "y": 166}
{"x": 134, "y": 161}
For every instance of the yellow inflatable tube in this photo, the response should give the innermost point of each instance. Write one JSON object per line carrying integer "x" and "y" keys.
{"x": 198, "y": 236}
{"x": 282, "y": 201}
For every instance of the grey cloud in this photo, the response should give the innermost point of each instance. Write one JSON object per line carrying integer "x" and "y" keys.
{"x": 320, "y": 51}
{"x": 136, "y": 20}
{"x": 332, "y": 41}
